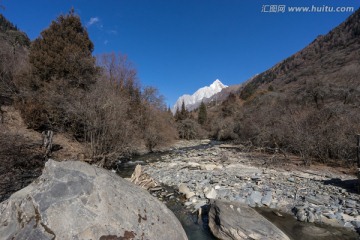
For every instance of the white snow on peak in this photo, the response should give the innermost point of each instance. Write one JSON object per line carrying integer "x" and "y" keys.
{"x": 193, "y": 101}
{"x": 217, "y": 85}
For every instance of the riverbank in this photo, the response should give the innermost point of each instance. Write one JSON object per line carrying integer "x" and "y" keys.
{"x": 223, "y": 172}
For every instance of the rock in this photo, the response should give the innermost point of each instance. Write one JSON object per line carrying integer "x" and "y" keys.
{"x": 350, "y": 203}
{"x": 183, "y": 188}
{"x": 205, "y": 141}
{"x": 232, "y": 220}
{"x": 354, "y": 213}
{"x": 300, "y": 207}
{"x": 291, "y": 179}
{"x": 255, "y": 197}
{"x": 211, "y": 194}
{"x": 189, "y": 195}
{"x": 200, "y": 204}
{"x": 356, "y": 224}
{"x": 301, "y": 216}
{"x": 155, "y": 189}
{"x": 73, "y": 200}
{"x": 208, "y": 167}
{"x": 329, "y": 215}
{"x": 256, "y": 178}
{"x": 311, "y": 217}
{"x": 223, "y": 193}
{"x": 348, "y": 225}
{"x": 193, "y": 164}
{"x": 313, "y": 200}
{"x": 267, "y": 198}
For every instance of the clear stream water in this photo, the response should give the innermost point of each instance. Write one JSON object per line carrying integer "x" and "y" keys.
{"x": 197, "y": 229}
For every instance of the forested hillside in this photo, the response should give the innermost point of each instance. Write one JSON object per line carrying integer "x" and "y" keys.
{"x": 57, "y": 84}
{"x": 307, "y": 104}
{"x": 13, "y": 53}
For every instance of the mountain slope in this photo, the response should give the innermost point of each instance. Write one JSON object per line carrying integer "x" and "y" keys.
{"x": 307, "y": 104}
{"x": 14, "y": 46}
{"x": 323, "y": 58}
{"x": 193, "y": 101}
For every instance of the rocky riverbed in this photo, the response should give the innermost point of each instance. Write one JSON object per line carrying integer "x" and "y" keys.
{"x": 222, "y": 172}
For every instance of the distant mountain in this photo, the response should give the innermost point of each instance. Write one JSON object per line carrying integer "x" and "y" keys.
{"x": 193, "y": 101}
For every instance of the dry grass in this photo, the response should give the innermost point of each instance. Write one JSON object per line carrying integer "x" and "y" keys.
{"x": 65, "y": 146}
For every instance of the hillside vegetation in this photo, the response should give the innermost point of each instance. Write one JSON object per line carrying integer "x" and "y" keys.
{"x": 57, "y": 84}
{"x": 307, "y": 104}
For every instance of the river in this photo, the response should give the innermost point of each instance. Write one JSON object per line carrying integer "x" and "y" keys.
{"x": 197, "y": 230}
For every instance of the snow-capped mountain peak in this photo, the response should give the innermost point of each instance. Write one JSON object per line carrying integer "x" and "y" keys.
{"x": 193, "y": 101}
{"x": 217, "y": 85}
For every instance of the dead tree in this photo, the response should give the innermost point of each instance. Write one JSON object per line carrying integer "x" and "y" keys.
{"x": 47, "y": 141}
{"x": 358, "y": 159}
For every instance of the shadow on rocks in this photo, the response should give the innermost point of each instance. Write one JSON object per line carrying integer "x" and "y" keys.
{"x": 348, "y": 185}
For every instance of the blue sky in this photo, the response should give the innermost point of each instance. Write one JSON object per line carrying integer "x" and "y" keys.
{"x": 179, "y": 46}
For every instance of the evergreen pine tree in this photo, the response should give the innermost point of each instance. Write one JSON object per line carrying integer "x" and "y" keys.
{"x": 202, "y": 115}
{"x": 64, "y": 51}
{"x": 177, "y": 115}
{"x": 183, "y": 113}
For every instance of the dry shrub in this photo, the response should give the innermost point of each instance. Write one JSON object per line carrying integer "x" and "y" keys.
{"x": 21, "y": 162}
{"x": 159, "y": 130}
{"x": 315, "y": 128}
{"x": 107, "y": 130}
{"x": 190, "y": 129}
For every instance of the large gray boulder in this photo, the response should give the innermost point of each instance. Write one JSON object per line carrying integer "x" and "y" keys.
{"x": 233, "y": 220}
{"x": 73, "y": 200}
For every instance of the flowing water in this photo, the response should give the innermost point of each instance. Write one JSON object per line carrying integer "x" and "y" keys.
{"x": 197, "y": 229}
{"x": 306, "y": 231}
{"x": 194, "y": 227}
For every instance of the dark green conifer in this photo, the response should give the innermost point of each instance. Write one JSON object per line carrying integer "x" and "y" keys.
{"x": 202, "y": 115}
{"x": 64, "y": 51}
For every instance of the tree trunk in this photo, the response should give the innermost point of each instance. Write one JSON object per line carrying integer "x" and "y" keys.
{"x": 47, "y": 142}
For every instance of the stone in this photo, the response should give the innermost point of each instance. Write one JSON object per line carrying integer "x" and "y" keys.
{"x": 291, "y": 179}
{"x": 256, "y": 197}
{"x": 211, "y": 194}
{"x": 311, "y": 217}
{"x": 232, "y": 220}
{"x": 329, "y": 215}
{"x": 313, "y": 200}
{"x": 189, "y": 195}
{"x": 348, "y": 225}
{"x": 193, "y": 164}
{"x": 350, "y": 203}
{"x": 356, "y": 224}
{"x": 208, "y": 167}
{"x": 300, "y": 207}
{"x": 301, "y": 216}
{"x": 155, "y": 189}
{"x": 200, "y": 204}
{"x": 267, "y": 198}
{"x": 184, "y": 189}
{"x": 74, "y": 200}
{"x": 223, "y": 193}
{"x": 256, "y": 178}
